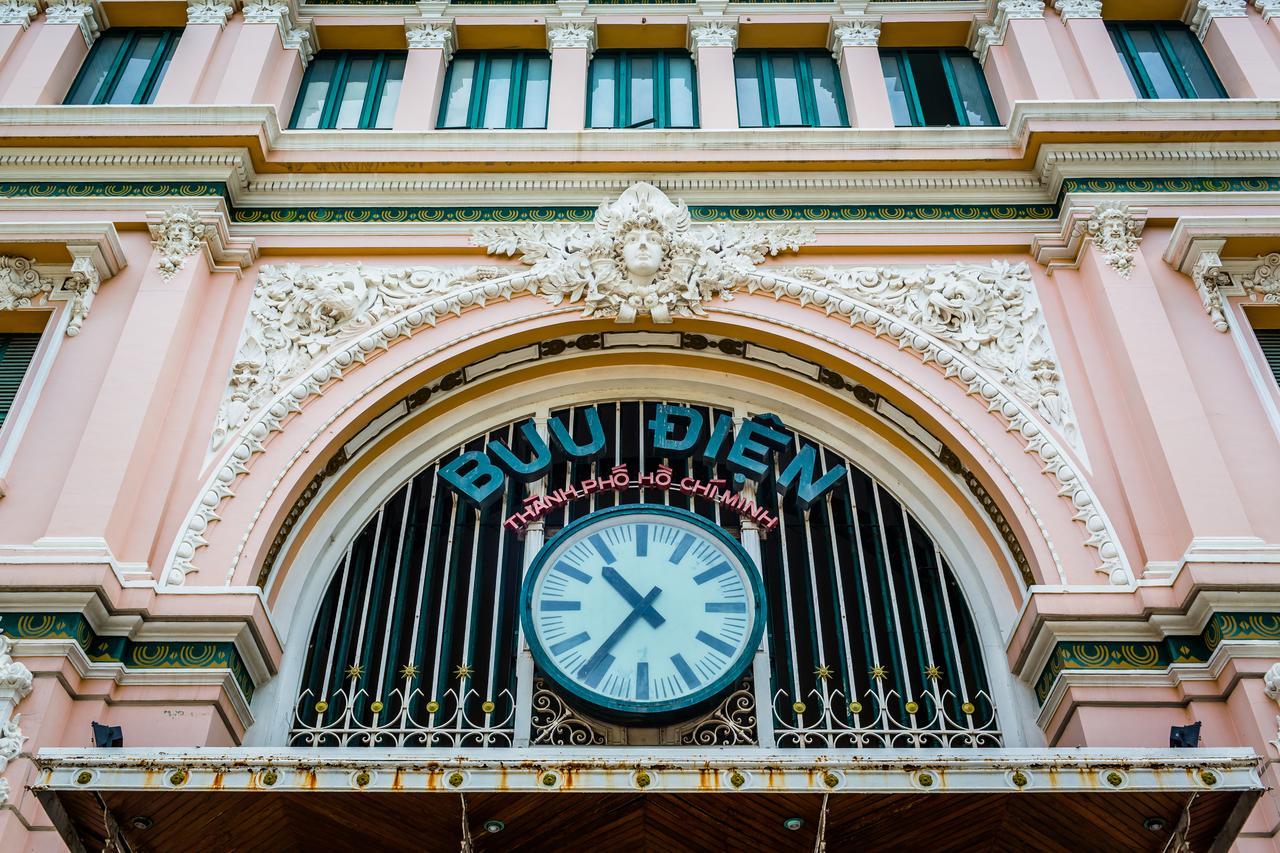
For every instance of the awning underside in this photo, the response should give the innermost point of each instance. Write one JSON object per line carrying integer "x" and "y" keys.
{"x": 1045, "y": 800}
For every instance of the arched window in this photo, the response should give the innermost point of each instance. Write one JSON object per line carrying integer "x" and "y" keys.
{"x": 869, "y": 640}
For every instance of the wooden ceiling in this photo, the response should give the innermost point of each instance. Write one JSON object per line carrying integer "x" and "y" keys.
{"x": 636, "y": 823}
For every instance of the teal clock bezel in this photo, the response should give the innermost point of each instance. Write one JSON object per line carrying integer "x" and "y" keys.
{"x": 647, "y": 711}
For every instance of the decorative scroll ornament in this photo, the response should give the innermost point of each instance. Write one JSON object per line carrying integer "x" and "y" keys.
{"x": 15, "y": 685}
{"x": 1207, "y": 10}
{"x": 1264, "y": 282}
{"x": 17, "y": 12}
{"x": 1210, "y": 277}
{"x": 731, "y": 723}
{"x": 209, "y": 12}
{"x": 1069, "y": 9}
{"x": 554, "y": 723}
{"x": 432, "y": 36}
{"x": 641, "y": 257}
{"x": 854, "y": 34}
{"x": 20, "y": 283}
{"x": 980, "y": 324}
{"x": 266, "y": 13}
{"x": 74, "y": 12}
{"x": 715, "y": 34}
{"x": 572, "y": 35}
{"x": 990, "y": 313}
{"x": 1115, "y": 234}
{"x": 178, "y": 236}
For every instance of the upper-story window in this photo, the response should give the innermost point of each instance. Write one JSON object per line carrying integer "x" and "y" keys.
{"x": 346, "y": 89}
{"x": 936, "y": 87}
{"x": 124, "y": 67}
{"x": 1164, "y": 60}
{"x": 637, "y": 89}
{"x": 788, "y": 88}
{"x": 16, "y": 352}
{"x": 497, "y": 89}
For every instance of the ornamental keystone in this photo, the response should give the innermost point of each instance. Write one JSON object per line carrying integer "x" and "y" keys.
{"x": 177, "y": 237}
{"x": 1114, "y": 233}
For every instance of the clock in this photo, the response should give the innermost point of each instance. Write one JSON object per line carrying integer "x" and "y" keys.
{"x": 643, "y": 610}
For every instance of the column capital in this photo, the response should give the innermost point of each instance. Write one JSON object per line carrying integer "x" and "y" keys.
{"x": 1071, "y": 9}
{"x": 210, "y": 11}
{"x": 852, "y": 32}
{"x": 575, "y": 32}
{"x": 182, "y": 231}
{"x": 438, "y": 35}
{"x": 716, "y": 32}
{"x": 84, "y": 13}
{"x": 18, "y": 12}
{"x": 1114, "y": 232}
{"x": 1203, "y": 13}
{"x": 1268, "y": 8}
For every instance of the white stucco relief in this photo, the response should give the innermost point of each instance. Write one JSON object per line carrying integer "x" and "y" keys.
{"x": 15, "y": 684}
{"x": 21, "y": 285}
{"x": 642, "y": 257}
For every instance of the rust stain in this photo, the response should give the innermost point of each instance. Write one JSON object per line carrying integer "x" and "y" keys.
{"x": 433, "y": 777}
{"x": 567, "y": 775}
{"x": 502, "y": 777}
{"x": 148, "y": 777}
{"x": 708, "y": 779}
{"x": 217, "y": 780}
{"x": 309, "y": 780}
{"x": 397, "y": 781}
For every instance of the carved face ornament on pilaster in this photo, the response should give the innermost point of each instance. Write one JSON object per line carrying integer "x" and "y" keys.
{"x": 1115, "y": 234}
{"x": 177, "y": 237}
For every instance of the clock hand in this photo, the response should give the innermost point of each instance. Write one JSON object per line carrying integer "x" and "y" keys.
{"x": 628, "y": 592}
{"x": 601, "y": 653}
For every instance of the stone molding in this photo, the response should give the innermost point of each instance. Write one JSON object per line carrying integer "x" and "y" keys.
{"x": 572, "y": 33}
{"x": 980, "y": 324}
{"x": 717, "y": 33}
{"x": 1204, "y": 12}
{"x": 985, "y": 35}
{"x": 1071, "y": 9}
{"x": 1114, "y": 232}
{"x": 15, "y": 685}
{"x": 85, "y": 15}
{"x": 856, "y": 32}
{"x": 19, "y": 12}
{"x": 210, "y": 11}
{"x": 437, "y": 35}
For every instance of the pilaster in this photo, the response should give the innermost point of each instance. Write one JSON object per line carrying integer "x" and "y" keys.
{"x": 1243, "y": 62}
{"x": 430, "y": 49}
{"x": 206, "y": 20}
{"x": 1018, "y": 42}
{"x": 571, "y": 42}
{"x": 711, "y": 44}
{"x": 1092, "y": 44}
{"x": 854, "y": 45}
{"x": 69, "y": 29}
{"x": 270, "y": 53}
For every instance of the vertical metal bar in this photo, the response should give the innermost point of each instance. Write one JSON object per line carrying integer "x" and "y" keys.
{"x": 533, "y": 539}
{"x": 841, "y": 604}
{"x": 868, "y": 610}
{"x": 422, "y": 586}
{"x": 497, "y": 601}
{"x": 813, "y": 588}
{"x": 893, "y": 597}
{"x": 760, "y": 675}
{"x": 333, "y": 637}
{"x": 924, "y": 619}
{"x": 444, "y": 592}
{"x": 392, "y": 617}
{"x": 951, "y": 627}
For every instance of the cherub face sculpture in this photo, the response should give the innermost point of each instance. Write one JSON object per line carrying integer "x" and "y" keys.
{"x": 642, "y": 254}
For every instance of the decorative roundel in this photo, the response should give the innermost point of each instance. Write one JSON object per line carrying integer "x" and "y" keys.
{"x": 643, "y": 610}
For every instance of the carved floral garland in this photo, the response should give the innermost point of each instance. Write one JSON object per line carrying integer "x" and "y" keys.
{"x": 980, "y": 324}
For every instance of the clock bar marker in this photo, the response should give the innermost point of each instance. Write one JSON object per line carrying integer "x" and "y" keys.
{"x": 691, "y": 680}
{"x": 570, "y": 643}
{"x": 561, "y": 605}
{"x": 576, "y": 574}
{"x": 726, "y": 607}
{"x": 683, "y": 548}
{"x": 642, "y": 680}
{"x": 716, "y": 643}
{"x": 595, "y": 669}
{"x": 642, "y": 540}
{"x": 605, "y": 553}
{"x": 713, "y": 572}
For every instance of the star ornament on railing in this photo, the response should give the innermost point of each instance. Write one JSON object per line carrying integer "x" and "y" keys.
{"x": 879, "y": 673}
{"x": 463, "y": 671}
{"x": 932, "y": 672}
{"x": 355, "y": 670}
{"x": 409, "y": 671}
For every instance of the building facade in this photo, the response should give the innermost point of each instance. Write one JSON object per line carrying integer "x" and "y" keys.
{"x": 653, "y": 426}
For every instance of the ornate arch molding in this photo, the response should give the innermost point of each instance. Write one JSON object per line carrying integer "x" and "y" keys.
{"x": 981, "y": 325}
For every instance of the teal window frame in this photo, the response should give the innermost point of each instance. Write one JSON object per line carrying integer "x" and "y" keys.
{"x": 338, "y": 85}
{"x": 910, "y": 86}
{"x": 1123, "y": 41}
{"x": 17, "y": 351}
{"x": 1269, "y": 343}
{"x": 808, "y": 103}
{"x": 151, "y": 80}
{"x": 480, "y": 89}
{"x": 622, "y": 89}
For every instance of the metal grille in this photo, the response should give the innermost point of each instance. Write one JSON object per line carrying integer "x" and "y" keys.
{"x": 870, "y": 640}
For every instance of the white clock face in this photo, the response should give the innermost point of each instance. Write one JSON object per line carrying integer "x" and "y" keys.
{"x": 643, "y": 609}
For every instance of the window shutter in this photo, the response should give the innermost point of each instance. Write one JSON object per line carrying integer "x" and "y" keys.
{"x": 1269, "y": 340}
{"x": 16, "y": 352}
